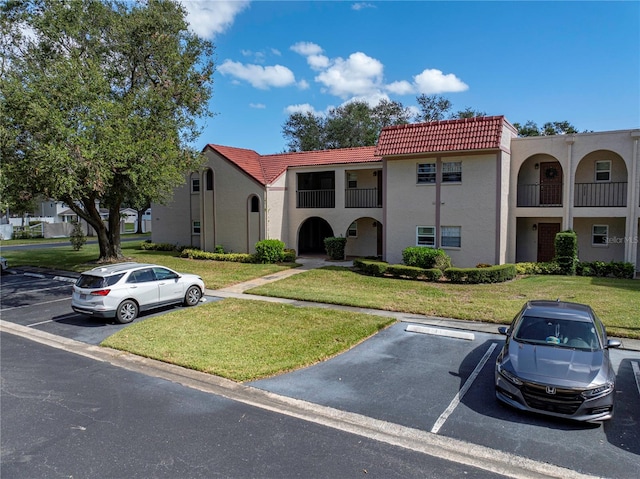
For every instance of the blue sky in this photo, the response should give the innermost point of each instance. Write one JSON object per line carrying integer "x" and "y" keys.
{"x": 540, "y": 61}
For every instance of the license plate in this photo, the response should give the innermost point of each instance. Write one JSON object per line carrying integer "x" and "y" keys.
{"x": 83, "y": 296}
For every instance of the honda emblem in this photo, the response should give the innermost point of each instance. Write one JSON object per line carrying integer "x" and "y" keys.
{"x": 551, "y": 390}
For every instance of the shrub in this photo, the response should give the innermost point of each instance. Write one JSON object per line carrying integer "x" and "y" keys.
{"x": 78, "y": 239}
{"x": 335, "y": 247}
{"x": 148, "y": 245}
{"x": 413, "y": 272}
{"x": 538, "y": 268}
{"x": 601, "y": 269}
{"x": 232, "y": 257}
{"x": 566, "y": 245}
{"x": 219, "y": 249}
{"x": 370, "y": 266}
{"x": 289, "y": 256}
{"x": 269, "y": 251}
{"x": 492, "y": 274}
{"x": 426, "y": 258}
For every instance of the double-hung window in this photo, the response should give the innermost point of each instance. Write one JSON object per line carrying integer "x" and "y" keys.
{"x": 195, "y": 185}
{"x": 195, "y": 227}
{"x": 599, "y": 235}
{"x": 452, "y": 172}
{"x": 426, "y": 173}
{"x": 450, "y": 236}
{"x": 352, "y": 231}
{"x": 426, "y": 236}
{"x": 603, "y": 170}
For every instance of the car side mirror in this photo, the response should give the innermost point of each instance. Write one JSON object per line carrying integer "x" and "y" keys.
{"x": 614, "y": 343}
{"x": 503, "y": 330}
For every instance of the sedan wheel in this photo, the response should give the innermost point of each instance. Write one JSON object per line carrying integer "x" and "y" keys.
{"x": 127, "y": 311}
{"x": 192, "y": 297}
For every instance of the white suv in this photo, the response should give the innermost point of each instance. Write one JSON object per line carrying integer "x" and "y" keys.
{"x": 123, "y": 290}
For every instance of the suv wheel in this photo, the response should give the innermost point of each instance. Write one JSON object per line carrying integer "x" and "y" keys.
{"x": 192, "y": 297}
{"x": 127, "y": 311}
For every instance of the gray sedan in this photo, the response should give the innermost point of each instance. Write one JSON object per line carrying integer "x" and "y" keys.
{"x": 555, "y": 361}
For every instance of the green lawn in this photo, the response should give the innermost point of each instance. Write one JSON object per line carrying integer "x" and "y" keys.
{"x": 245, "y": 340}
{"x": 616, "y": 301}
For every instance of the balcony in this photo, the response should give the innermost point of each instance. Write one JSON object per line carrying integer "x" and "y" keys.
{"x": 362, "y": 198}
{"x": 316, "y": 198}
{"x": 537, "y": 195}
{"x": 610, "y": 194}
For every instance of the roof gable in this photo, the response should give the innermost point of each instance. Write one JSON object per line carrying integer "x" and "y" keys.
{"x": 480, "y": 133}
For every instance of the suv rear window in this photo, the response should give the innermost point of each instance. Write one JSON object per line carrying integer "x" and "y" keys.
{"x": 93, "y": 282}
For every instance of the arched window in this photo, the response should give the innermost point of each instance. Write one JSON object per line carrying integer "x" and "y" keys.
{"x": 255, "y": 204}
{"x": 209, "y": 180}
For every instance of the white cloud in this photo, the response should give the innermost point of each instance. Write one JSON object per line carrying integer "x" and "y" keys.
{"x": 303, "y": 85}
{"x": 357, "y": 75}
{"x": 257, "y": 75}
{"x": 208, "y": 19}
{"x": 433, "y": 81}
{"x": 361, "y": 6}
{"x": 258, "y": 106}
{"x": 401, "y": 88}
{"x": 307, "y": 49}
{"x": 303, "y": 108}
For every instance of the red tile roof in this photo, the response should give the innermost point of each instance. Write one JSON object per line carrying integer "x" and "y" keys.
{"x": 480, "y": 133}
{"x": 266, "y": 168}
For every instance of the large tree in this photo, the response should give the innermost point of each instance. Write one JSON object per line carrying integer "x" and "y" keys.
{"x": 351, "y": 125}
{"x": 530, "y": 128}
{"x": 99, "y": 101}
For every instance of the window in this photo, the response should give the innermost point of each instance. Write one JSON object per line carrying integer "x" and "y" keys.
{"x": 195, "y": 228}
{"x": 352, "y": 231}
{"x": 255, "y": 204}
{"x": 426, "y": 173}
{"x": 352, "y": 180}
{"x": 599, "y": 235}
{"x": 209, "y": 180}
{"x": 450, "y": 236}
{"x": 195, "y": 185}
{"x": 452, "y": 172}
{"x": 426, "y": 236}
{"x": 603, "y": 170}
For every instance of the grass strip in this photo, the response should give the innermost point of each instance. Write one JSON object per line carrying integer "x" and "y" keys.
{"x": 246, "y": 340}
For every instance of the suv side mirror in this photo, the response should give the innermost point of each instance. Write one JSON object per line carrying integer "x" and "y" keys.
{"x": 503, "y": 330}
{"x": 614, "y": 343}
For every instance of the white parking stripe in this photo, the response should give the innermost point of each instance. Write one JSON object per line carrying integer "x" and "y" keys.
{"x": 636, "y": 372}
{"x": 37, "y": 304}
{"x": 465, "y": 387}
{"x": 31, "y": 291}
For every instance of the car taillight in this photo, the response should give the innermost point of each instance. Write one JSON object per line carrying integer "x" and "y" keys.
{"x": 101, "y": 292}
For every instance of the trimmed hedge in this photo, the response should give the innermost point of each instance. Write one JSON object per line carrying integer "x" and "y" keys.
{"x": 566, "y": 245}
{"x": 380, "y": 268}
{"x": 492, "y": 274}
{"x": 148, "y": 245}
{"x": 334, "y": 246}
{"x": 269, "y": 251}
{"x": 613, "y": 269}
{"x": 232, "y": 257}
{"x": 538, "y": 268}
{"x": 425, "y": 257}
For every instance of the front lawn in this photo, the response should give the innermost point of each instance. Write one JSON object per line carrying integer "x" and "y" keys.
{"x": 616, "y": 301}
{"x": 246, "y": 340}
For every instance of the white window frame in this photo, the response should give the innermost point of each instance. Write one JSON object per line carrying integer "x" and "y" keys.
{"x": 195, "y": 185}
{"x": 452, "y": 168}
{"x": 196, "y": 227}
{"x": 602, "y": 235}
{"x": 352, "y": 180}
{"x": 426, "y": 173}
{"x": 425, "y": 237}
{"x": 607, "y": 171}
{"x": 352, "y": 230}
{"x": 445, "y": 232}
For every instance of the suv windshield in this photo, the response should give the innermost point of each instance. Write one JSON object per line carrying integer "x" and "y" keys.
{"x": 558, "y": 332}
{"x": 94, "y": 282}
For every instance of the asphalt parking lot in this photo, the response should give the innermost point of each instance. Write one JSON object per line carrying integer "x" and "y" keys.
{"x": 414, "y": 378}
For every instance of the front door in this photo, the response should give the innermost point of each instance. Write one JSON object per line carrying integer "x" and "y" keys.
{"x": 550, "y": 183}
{"x": 546, "y": 239}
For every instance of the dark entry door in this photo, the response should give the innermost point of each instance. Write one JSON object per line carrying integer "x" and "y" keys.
{"x": 550, "y": 183}
{"x": 546, "y": 238}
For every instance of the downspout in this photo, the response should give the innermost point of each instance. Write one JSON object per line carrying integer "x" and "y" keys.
{"x": 568, "y": 219}
{"x": 633, "y": 202}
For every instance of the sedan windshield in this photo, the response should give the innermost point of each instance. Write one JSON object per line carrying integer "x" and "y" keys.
{"x": 558, "y": 332}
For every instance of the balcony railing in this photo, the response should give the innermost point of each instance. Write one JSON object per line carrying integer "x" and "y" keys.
{"x": 316, "y": 199}
{"x": 600, "y": 194}
{"x": 362, "y": 198}
{"x": 537, "y": 195}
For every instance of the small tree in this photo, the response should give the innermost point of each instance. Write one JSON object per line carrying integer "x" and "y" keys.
{"x": 566, "y": 245}
{"x": 78, "y": 239}
{"x": 335, "y": 247}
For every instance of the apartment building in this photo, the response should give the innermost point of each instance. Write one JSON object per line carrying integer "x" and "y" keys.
{"x": 470, "y": 186}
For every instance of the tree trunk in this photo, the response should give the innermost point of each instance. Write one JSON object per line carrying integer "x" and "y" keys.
{"x": 108, "y": 238}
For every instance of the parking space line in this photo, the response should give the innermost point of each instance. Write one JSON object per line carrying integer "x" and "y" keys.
{"x": 463, "y": 390}
{"x": 36, "y": 304}
{"x": 31, "y": 291}
{"x": 636, "y": 373}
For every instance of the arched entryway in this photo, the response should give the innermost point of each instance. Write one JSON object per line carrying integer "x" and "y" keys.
{"x": 312, "y": 234}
